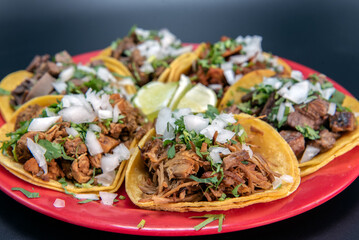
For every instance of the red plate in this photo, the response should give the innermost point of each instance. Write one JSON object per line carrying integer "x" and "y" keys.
{"x": 124, "y": 216}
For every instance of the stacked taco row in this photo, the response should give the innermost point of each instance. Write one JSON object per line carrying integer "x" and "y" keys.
{"x": 74, "y": 127}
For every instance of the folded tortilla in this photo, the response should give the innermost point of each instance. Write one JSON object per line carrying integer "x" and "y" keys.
{"x": 344, "y": 144}
{"x": 17, "y": 168}
{"x": 270, "y": 145}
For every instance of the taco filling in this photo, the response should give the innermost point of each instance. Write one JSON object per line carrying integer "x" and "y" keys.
{"x": 196, "y": 158}
{"x": 308, "y": 114}
{"x": 147, "y": 53}
{"x": 83, "y": 139}
{"x": 222, "y": 64}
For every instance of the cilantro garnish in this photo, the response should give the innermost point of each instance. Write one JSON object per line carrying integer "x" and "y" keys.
{"x": 171, "y": 152}
{"x": 121, "y": 197}
{"x": 141, "y": 224}
{"x": 63, "y": 183}
{"x": 4, "y": 92}
{"x": 337, "y": 97}
{"x": 26, "y": 193}
{"x": 308, "y": 132}
{"x": 85, "y": 201}
{"x": 235, "y": 190}
{"x": 211, "y": 180}
{"x": 53, "y": 150}
{"x": 210, "y": 218}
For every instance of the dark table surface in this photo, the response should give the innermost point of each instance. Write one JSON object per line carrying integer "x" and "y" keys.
{"x": 323, "y": 35}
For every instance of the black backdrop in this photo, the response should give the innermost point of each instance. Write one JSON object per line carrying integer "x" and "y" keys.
{"x": 320, "y": 34}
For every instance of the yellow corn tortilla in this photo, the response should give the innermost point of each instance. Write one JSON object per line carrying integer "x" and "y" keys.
{"x": 17, "y": 168}
{"x": 344, "y": 144}
{"x": 280, "y": 159}
{"x": 9, "y": 83}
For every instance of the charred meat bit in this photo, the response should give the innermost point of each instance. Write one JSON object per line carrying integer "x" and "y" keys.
{"x": 75, "y": 147}
{"x": 295, "y": 140}
{"x": 107, "y": 143}
{"x": 54, "y": 171}
{"x": 342, "y": 121}
{"x": 80, "y": 169}
{"x": 63, "y": 57}
{"x": 32, "y": 166}
{"x": 326, "y": 141}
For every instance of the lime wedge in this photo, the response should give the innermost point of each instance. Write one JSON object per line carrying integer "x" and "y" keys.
{"x": 184, "y": 86}
{"x": 198, "y": 98}
{"x": 154, "y": 96}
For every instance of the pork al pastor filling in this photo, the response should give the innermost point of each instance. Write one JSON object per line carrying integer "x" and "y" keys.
{"x": 147, "y": 53}
{"x": 223, "y": 63}
{"x": 308, "y": 113}
{"x": 83, "y": 139}
{"x": 202, "y": 158}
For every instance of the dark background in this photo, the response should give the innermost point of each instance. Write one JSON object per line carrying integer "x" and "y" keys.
{"x": 323, "y": 35}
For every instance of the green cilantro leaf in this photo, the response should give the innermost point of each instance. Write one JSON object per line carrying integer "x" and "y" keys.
{"x": 171, "y": 152}
{"x": 141, "y": 224}
{"x": 210, "y": 218}
{"x": 308, "y": 132}
{"x": 4, "y": 92}
{"x": 26, "y": 193}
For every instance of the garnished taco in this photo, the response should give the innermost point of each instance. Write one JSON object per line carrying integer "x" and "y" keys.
{"x": 317, "y": 121}
{"x": 208, "y": 162}
{"x": 81, "y": 140}
{"x": 222, "y": 64}
{"x": 149, "y": 55}
{"x": 59, "y": 75}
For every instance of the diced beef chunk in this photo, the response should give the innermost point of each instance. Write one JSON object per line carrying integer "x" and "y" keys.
{"x": 182, "y": 165}
{"x": 96, "y": 160}
{"x": 342, "y": 121}
{"x": 20, "y": 93}
{"x": 232, "y": 109}
{"x": 298, "y": 119}
{"x": 326, "y": 141}
{"x": 63, "y": 57}
{"x": 81, "y": 171}
{"x": 42, "y": 87}
{"x": 66, "y": 168}
{"x": 32, "y": 166}
{"x": 29, "y": 113}
{"x": 36, "y": 62}
{"x": 315, "y": 109}
{"x": 295, "y": 140}
{"x": 75, "y": 147}
{"x": 54, "y": 171}
{"x": 107, "y": 143}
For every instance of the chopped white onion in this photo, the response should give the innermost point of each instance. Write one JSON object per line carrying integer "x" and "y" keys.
{"x": 178, "y": 113}
{"x": 122, "y": 152}
{"x": 169, "y": 133}
{"x": 215, "y": 86}
{"x": 298, "y": 93}
{"x": 215, "y": 151}
{"x": 332, "y": 108}
{"x": 95, "y": 128}
{"x": 93, "y": 145}
{"x": 328, "y": 92}
{"x": 227, "y": 118}
{"x": 67, "y": 74}
{"x": 42, "y": 124}
{"x": 272, "y": 81}
{"x": 107, "y": 198}
{"x": 147, "y": 68}
{"x": 224, "y": 135}
{"x": 245, "y": 147}
{"x": 277, "y": 182}
{"x": 309, "y": 153}
{"x": 297, "y": 75}
{"x": 280, "y": 113}
{"x": 287, "y": 178}
{"x": 105, "y": 114}
{"x": 85, "y": 69}
{"x": 38, "y": 152}
{"x": 90, "y": 196}
{"x": 196, "y": 123}
{"x": 105, "y": 75}
{"x": 227, "y": 66}
{"x": 77, "y": 114}
{"x": 109, "y": 162}
{"x": 229, "y": 75}
{"x": 72, "y": 131}
{"x": 163, "y": 118}
{"x": 59, "y": 203}
{"x": 106, "y": 179}
{"x": 116, "y": 113}
{"x": 60, "y": 87}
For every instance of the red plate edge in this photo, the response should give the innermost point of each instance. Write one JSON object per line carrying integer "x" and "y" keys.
{"x": 345, "y": 170}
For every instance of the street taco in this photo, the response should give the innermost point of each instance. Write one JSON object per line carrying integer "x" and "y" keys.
{"x": 317, "y": 121}
{"x": 222, "y": 64}
{"x": 59, "y": 75}
{"x": 73, "y": 143}
{"x": 149, "y": 55}
{"x": 210, "y": 162}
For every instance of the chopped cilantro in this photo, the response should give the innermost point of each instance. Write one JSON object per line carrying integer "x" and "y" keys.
{"x": 223, "y": 197}
{"x": 85, "y": 201}
{"x": 235, "y": 190}
{"x": 4, "y": 92}
{"x": 211, "y": 112}
{"x": 141, "y": 224}
{"x": 53, "y": 150}
{"x": 212, "y": 180}
{"x": 337, "y": 97}
{"x": 26, "y": 193}
{"x": 210, "y": 218}
{"x": 171, "y": 152}
{"x": 121, "y": 197}
{"x": 308, "y": 132}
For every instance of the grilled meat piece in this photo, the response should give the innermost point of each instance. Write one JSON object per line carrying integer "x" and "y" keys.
{"x": 295, "y": 140}
{"x": 342, "y": 121}
{"x": 326, "y": 141}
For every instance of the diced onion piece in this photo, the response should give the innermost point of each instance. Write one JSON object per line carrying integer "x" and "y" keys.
{"x": 272, "y": 81}
{"x": 332, "y": 108}
{"x": 196, "y": 123}
{"x": 60, "y": 87}
{"x": 93, "y": 145}
{"x": 177, "y": 114}
{"x": 105, "y": 75}
{"x": 224, "y": 135}
{"x": 90, "y": 196}
{"x": 147, "y": 68}
{"x": 105, "y": 114}
{"x": 107, "y": 198}
{"x": 215, "y": 151}
{"x": 297, "y": 75}
{"x": 245, "y": 147}
{"x": 356, "y": 114}
{"x": 72, "y": 131}
{"x": 328, "y": 92}
{"x": 230, "y": 77}
{"x": 280, "y": 113}
{"x": 42, "y": 124}
{"x": 116, "y": 112}
{"x": 298, "y": 93}
{"x": 277, "y": 182}
{"x": 85, "y": 69}
{"x": 227, "y": 117}
{"x": 215, "y": 86}
{"x": 109, "y": 162}
{"x": 77, "y": 114}
{"x": 67, "y": 74}
{"x": 227, "y": 66}
{"x": 59, "y": 203}
{"x": 38, "y": 152}
{"x": 287, "y": 178}
{"x": 106, "y": 179}
{"x": 309, "y": 153}
{"x": 95, "y": 128}
{"x": 210, "y": 130}
{"x": 163, "y": 118}
{"x": 122, "y": 152}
